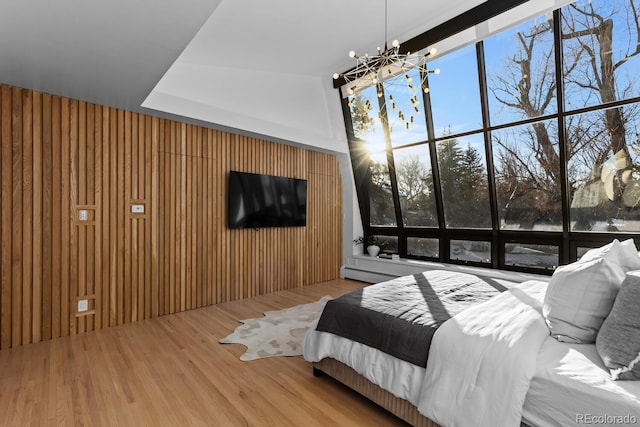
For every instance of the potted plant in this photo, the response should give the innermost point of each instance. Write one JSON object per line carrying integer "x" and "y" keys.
{"x": 373, "y": 244}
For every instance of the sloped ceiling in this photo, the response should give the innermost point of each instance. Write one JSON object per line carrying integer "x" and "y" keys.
{"x": 262, "y": 68}
{"x": 108, "y": 52}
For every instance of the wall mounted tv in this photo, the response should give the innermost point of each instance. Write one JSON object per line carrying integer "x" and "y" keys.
{"x": 260, "y": 201}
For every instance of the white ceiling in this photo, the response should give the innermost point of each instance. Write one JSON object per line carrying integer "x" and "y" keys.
{"x": 260, "y": 67}
{"x": 111, "y": 52}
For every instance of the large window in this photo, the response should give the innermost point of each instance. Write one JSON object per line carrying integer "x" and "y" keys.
{"x": 404, "y": 108}
{"x": 531, "y": 255}
{"x": 605, "y": 181}
{"x": 520, "y": 68}
{"x": 459, "y": 108}
{"x": 369, "y": 136}
{"x": 527, "y": 165}
{"x": 600, "y": 49}
{"x": 463, "y": 180}
{"x": 415, "y": 186}
{"x": 601, "y": 62}
{"x": 525, "y": 151}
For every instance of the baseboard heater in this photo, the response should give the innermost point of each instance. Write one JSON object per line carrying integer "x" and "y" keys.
{"x": 362, "y": 275}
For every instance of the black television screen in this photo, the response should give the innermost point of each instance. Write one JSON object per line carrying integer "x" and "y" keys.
{"x": 260, "y": 201}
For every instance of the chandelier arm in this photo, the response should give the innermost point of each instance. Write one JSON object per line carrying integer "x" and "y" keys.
{"x": 374, "y": 69}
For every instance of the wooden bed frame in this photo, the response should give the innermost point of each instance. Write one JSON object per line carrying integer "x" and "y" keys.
{"x": 401, "y": 408}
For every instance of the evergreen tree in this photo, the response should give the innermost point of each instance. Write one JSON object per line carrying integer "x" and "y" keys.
{"x": 464, "y": 186}
{"x": 473, "y": 178}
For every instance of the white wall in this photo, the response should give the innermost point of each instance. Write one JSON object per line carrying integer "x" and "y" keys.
{"x": 300, "y": 109}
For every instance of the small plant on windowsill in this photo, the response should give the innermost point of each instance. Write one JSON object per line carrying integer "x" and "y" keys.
{"x": 373, "y": 244}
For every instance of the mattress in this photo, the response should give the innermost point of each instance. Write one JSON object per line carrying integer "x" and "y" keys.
{"x": 571, "y": 386}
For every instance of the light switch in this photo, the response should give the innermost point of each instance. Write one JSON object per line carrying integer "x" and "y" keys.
{"x": 137, "y": 209}
{"x": 83, "y": 305}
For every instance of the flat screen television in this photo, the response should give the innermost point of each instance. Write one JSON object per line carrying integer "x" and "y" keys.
{"x": 260, "y": 201}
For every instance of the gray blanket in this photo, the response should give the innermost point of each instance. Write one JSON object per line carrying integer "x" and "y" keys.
{"x": 399, "y": 317}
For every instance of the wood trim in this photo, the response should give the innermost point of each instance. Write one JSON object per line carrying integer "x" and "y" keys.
{"x": 59, "y": 155}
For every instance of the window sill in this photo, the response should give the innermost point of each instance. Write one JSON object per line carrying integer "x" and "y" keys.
{"x": 374, "y": 269}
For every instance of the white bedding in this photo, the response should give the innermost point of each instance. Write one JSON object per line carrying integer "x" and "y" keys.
{"x": 571, "y": 386}
{"x": 400, "y": 378}
{"x": 481, "y": 360}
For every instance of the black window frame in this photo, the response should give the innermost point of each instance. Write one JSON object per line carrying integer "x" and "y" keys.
{"x": 566, "y": 240}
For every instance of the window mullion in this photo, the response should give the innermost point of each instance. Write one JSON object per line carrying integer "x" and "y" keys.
{"x": 496, "y": 252}
{"x": 437, "y": 188}
{"x": 360, "y": 166}
{"x": 562, "y": 140}
{"x": 384, "y": 119}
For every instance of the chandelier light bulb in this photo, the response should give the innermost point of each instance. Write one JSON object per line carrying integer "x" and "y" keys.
{"x": 382, "y": 66}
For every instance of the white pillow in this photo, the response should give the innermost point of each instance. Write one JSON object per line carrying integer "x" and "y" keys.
{"x": 630, "y": 260}
{"x": 580, "y": 296}
{"x": 624, "y": 253}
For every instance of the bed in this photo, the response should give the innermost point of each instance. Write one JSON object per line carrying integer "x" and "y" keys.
{"x": 575, "y": 375}
{"x": 521, "y": 375}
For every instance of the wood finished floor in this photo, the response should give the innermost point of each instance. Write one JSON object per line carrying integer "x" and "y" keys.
{"x": 171, "y": 371}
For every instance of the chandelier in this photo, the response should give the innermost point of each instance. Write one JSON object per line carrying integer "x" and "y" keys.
{"x": 388, "y": 62}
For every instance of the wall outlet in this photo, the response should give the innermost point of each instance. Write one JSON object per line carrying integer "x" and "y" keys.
{"x": 137, "y": 208}
{"x": 83, "y": 305}
{"x": 83, "y": 215}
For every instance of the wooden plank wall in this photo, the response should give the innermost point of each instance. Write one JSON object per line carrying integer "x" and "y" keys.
{"x": 61, "y": 156}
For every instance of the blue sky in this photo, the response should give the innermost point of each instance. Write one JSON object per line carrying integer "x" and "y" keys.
{"x": 455, "y": 91}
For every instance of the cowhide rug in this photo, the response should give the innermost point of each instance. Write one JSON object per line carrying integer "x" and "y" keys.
{"x": 278, "y": 333}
